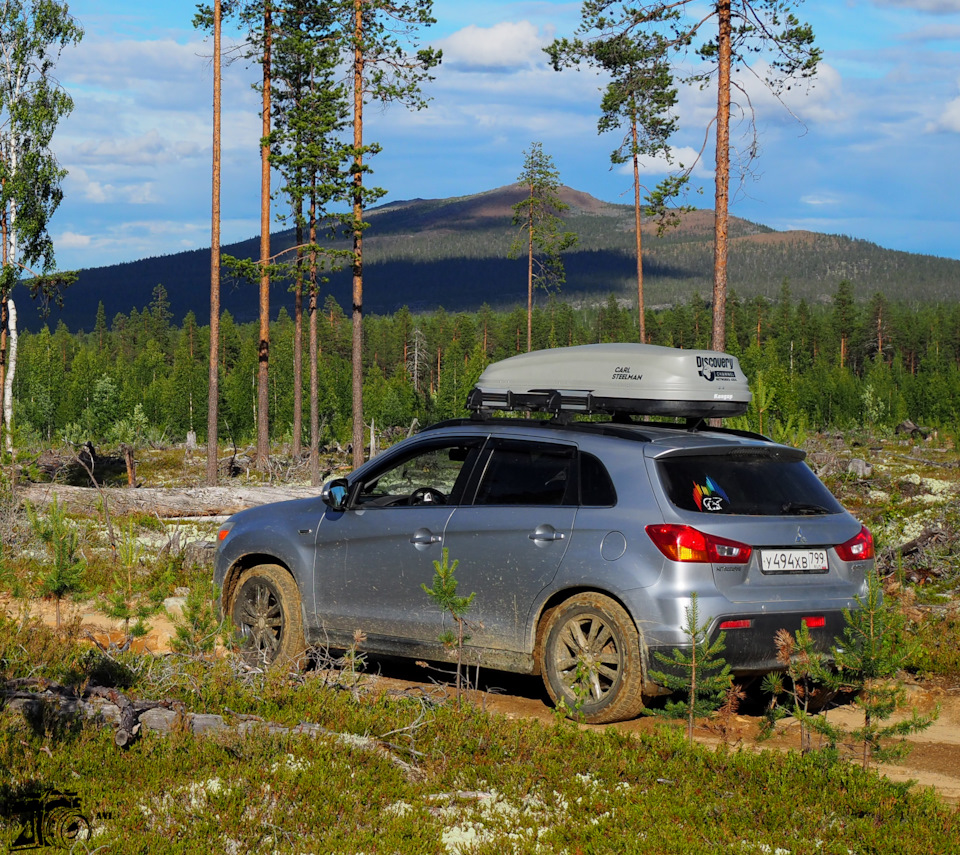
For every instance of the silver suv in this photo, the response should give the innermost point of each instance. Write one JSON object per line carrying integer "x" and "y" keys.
{"x": 582, "y": 540}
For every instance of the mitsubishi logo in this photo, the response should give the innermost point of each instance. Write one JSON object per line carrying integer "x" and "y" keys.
{"x": 801, "y": 537}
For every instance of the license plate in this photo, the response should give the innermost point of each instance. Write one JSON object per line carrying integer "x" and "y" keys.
{"x": 793, "y": 560}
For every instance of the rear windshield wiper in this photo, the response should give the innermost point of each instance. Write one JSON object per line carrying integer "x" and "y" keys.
{"x": 803, "y": 508}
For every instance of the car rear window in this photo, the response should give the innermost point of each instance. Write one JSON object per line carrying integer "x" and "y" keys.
{"x": 748, "y": 483}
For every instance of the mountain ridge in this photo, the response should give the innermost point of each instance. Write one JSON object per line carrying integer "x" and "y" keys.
{"x": 453, "y": 252}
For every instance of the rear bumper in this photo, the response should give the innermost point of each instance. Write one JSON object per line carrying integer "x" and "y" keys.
{"x": 752, "y": 650}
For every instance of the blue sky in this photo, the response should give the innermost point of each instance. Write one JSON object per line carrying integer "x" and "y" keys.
{"x": 870, "y": 151}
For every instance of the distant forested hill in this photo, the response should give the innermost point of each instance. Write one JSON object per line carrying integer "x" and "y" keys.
{"x": 426, "y": 253}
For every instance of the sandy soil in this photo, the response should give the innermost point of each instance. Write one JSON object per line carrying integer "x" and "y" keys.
{"x": 934, "y": 760}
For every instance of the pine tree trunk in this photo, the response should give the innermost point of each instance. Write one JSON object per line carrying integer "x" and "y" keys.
{"x": 263, "y": 351}
{"x": 313, "y": 351}
{"x": 213, "y": 382}
{"x": 357, "y": 344}
{"x": 722, "y": 179}
{"x": 636, "y": 207}
{"x": 12, "y": 339}
{"x": 298, "y": 348}
{"x": 530, "y": 274}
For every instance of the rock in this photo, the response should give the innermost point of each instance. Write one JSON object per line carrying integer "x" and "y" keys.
{"x": 174, "y": 605}
{"x": 907, "y": 426}
{"x": 200, "y": 552}
{"x": 859, "y": 468}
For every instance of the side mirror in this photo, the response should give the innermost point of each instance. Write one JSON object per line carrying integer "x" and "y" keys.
{"x": 334, "y": 494}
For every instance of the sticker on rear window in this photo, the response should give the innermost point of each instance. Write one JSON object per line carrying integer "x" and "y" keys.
{"x": 709, "y": 496}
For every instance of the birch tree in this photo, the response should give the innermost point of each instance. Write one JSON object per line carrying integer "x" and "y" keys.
{"x": 33, "y": 33}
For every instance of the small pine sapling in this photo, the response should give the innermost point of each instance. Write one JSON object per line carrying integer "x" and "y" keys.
{"x": 131, "y": 607}
{"x": 809, "y": 673}
{"x": 445, "y": 597}
{"x": 124, "y": 602}
{"x": 868, "y": 656}
{"x": 197, "y": 629}
{"x": 60, "y": 537}
{"x": 352, "y": 659}
{"x": 699, "y": 671}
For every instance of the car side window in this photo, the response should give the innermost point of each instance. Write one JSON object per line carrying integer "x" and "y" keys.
{"x": 529, "y": 473}
{"x": 435, "y": 475}
{"x": 596, "y": 488}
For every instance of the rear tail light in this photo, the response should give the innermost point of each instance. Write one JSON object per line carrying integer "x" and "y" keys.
{"x": 858, "y": 548}
{"x": 686, "y": 544}
{"x": 736, "y": 624}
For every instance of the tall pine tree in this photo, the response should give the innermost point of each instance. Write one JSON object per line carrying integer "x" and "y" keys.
{"x": 640, "y": 95}
{"x": 539, "y": 236}
{"x": 380, "y": 38}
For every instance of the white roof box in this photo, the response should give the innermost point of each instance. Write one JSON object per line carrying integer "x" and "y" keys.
{"x": 635, "y": 379}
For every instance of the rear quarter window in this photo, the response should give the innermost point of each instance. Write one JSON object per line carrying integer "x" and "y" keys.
{"x": 751, "y": 484}
{"x": 596, "y": 488}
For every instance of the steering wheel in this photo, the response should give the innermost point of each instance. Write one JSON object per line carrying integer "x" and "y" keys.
{"x": 427, "y": 496}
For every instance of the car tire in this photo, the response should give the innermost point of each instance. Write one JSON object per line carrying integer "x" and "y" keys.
{"x": 590, "y": 659}
{"x": 267, "y": 616}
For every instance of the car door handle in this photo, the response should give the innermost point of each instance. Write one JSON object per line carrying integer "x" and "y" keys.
{"x": 545, "y": 534}
{"x": 424, "y": 537}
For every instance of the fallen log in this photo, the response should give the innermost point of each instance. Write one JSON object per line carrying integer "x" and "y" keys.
{"x": 111, "y": 708}
{"x": 165, "y": 502}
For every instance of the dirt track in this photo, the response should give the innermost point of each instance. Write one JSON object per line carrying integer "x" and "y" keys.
{"x": 934, "y": 760}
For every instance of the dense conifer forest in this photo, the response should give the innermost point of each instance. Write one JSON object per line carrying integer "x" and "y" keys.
{"x": 834, "y": 364}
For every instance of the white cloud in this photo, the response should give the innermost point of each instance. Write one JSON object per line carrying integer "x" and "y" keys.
{"x": 133, "y": 239}
{"x": 72, "y": 240}
{"x": 504, "y": 46}
{"x": 150, "y": 148}
{"x": 933, "y": 33}
{"x": 818, "y": 100}
{"x": 684, "y": 157}
{"x": 79, "y": 182}
{"x": 163, "y": 66}
{"x": 948, "y": 120}
{"x": 820, "y": 199}
{"x": 141, "y": 131}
